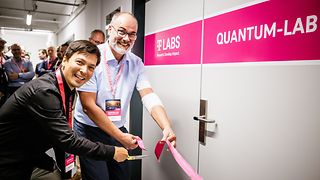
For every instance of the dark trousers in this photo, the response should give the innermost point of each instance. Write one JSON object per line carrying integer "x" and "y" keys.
{"x": 17, "y": 172}
{"x": 100, "y": 170}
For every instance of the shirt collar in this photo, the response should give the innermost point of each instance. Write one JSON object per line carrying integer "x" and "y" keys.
{"x": 65, "y": 84}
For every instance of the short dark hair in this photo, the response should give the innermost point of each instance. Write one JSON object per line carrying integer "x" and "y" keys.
{"x": 43, "y": 51}
{"x": 83, "y": 46}
{"x": 65, "y": 44}
{"x": 97, "y": 31}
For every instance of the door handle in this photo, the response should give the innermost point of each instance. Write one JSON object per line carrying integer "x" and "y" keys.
{"x": 203, "y": 121}
{"x": 202, "y": 118}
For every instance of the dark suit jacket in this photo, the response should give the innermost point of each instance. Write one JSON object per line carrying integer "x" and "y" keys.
{"x": 32, "y": 121}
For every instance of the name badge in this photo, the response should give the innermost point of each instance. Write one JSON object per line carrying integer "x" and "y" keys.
{"x": 113, "y": 109}
{"x": 68, "y": 161}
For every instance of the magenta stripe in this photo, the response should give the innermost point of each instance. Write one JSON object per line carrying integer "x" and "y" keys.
{"x": 275, "y": 30}
{"x": 180, "y": 45}
{"x": 243, "y": 35}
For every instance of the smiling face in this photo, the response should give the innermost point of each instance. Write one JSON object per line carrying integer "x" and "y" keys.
{"x": 122, "y": 34}
{"x": 79, "y": 68}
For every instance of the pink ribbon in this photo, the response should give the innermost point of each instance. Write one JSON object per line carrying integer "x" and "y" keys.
{"x": 140, "y": 143}
{"x": 179, "y": 159}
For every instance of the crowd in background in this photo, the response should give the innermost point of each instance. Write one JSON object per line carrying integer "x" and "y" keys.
{"x": 16, "y": 68}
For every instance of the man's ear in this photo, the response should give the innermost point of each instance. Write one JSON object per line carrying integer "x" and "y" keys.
{"x": 108, "y": 28}
{"x": 64, "y": 61}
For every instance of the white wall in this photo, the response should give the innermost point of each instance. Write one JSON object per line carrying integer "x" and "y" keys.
{"x": 166, "y": 14}
{"x": 92, "y": 17}
{"x": 111, "y": 5}
{"x": 81, "y": 26}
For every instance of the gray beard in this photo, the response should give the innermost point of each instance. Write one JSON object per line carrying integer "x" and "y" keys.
{"x": 119, "y": 50}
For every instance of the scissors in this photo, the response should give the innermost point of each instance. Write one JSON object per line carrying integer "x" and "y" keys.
{"x": 130, "y": 158}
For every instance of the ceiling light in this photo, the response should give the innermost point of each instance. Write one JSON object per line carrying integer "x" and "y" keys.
{"x": 29, "y": 18}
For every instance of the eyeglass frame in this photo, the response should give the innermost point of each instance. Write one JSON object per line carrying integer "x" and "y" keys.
{"x": 125, "y": 33}
{"x": 97, "y": 42}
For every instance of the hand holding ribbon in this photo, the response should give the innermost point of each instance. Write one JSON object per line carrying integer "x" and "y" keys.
{"x": 140, "y": 143}
{"x": 128, "y": 141}
{"x": 169, "y": 135}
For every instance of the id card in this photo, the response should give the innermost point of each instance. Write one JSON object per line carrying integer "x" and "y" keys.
{"x": 68, "y": 161}
{"x": 113, "y": 109}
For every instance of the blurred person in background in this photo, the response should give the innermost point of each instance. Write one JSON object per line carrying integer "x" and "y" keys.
{"x": 43, "y": 56}
{"x": 19, "y": 71}
{"x": 3, "y": 75}
{"x": 61, "y": 50}
{"x": 97, "y": 37}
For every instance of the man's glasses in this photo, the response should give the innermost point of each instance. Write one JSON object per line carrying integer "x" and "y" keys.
{"x": 122, "y": 33}
{"x": 97, "y": 42}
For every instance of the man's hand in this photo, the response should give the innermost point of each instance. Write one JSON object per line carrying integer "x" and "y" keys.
{"x": 169, "y": 135}
{"x": 129, "y": 141}
{"x": 120, "y": 154}
{"x": 13, "y": 76}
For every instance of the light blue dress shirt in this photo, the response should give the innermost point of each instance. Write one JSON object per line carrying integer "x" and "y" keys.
{"x": 25, "y": 76}
{"x": 132, "y": 76}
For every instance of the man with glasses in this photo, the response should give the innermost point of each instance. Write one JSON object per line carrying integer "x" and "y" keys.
{"x": 102, "y": 106}
{"x": 97, "y": 37}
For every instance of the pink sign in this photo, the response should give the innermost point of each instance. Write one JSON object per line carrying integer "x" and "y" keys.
{"x": 180, "y": 45}
{"x": 275, "y": 30}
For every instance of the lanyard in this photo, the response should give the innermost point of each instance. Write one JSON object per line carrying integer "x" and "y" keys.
{"x": 112, "y": 86}
{"x": 49, "y": 64}
{"x": 1, "y": 59}
{"x": 19, "y": 66}
{"x": 62, "y": 92}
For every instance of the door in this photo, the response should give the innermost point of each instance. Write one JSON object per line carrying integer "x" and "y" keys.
{"x": 173, "y": 64}
{"x": 262, "y": 94}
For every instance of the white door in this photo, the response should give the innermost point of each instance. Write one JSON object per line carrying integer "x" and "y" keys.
{"x": 267, "y": 122}
{"x": 173, "y": 64}
{"x": 267, "y": 113}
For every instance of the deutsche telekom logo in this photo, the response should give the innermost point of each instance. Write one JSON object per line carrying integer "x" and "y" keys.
{"x": 170, "y": 43}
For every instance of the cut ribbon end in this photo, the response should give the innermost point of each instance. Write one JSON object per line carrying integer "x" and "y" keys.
{"x": 158, "y": 149}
